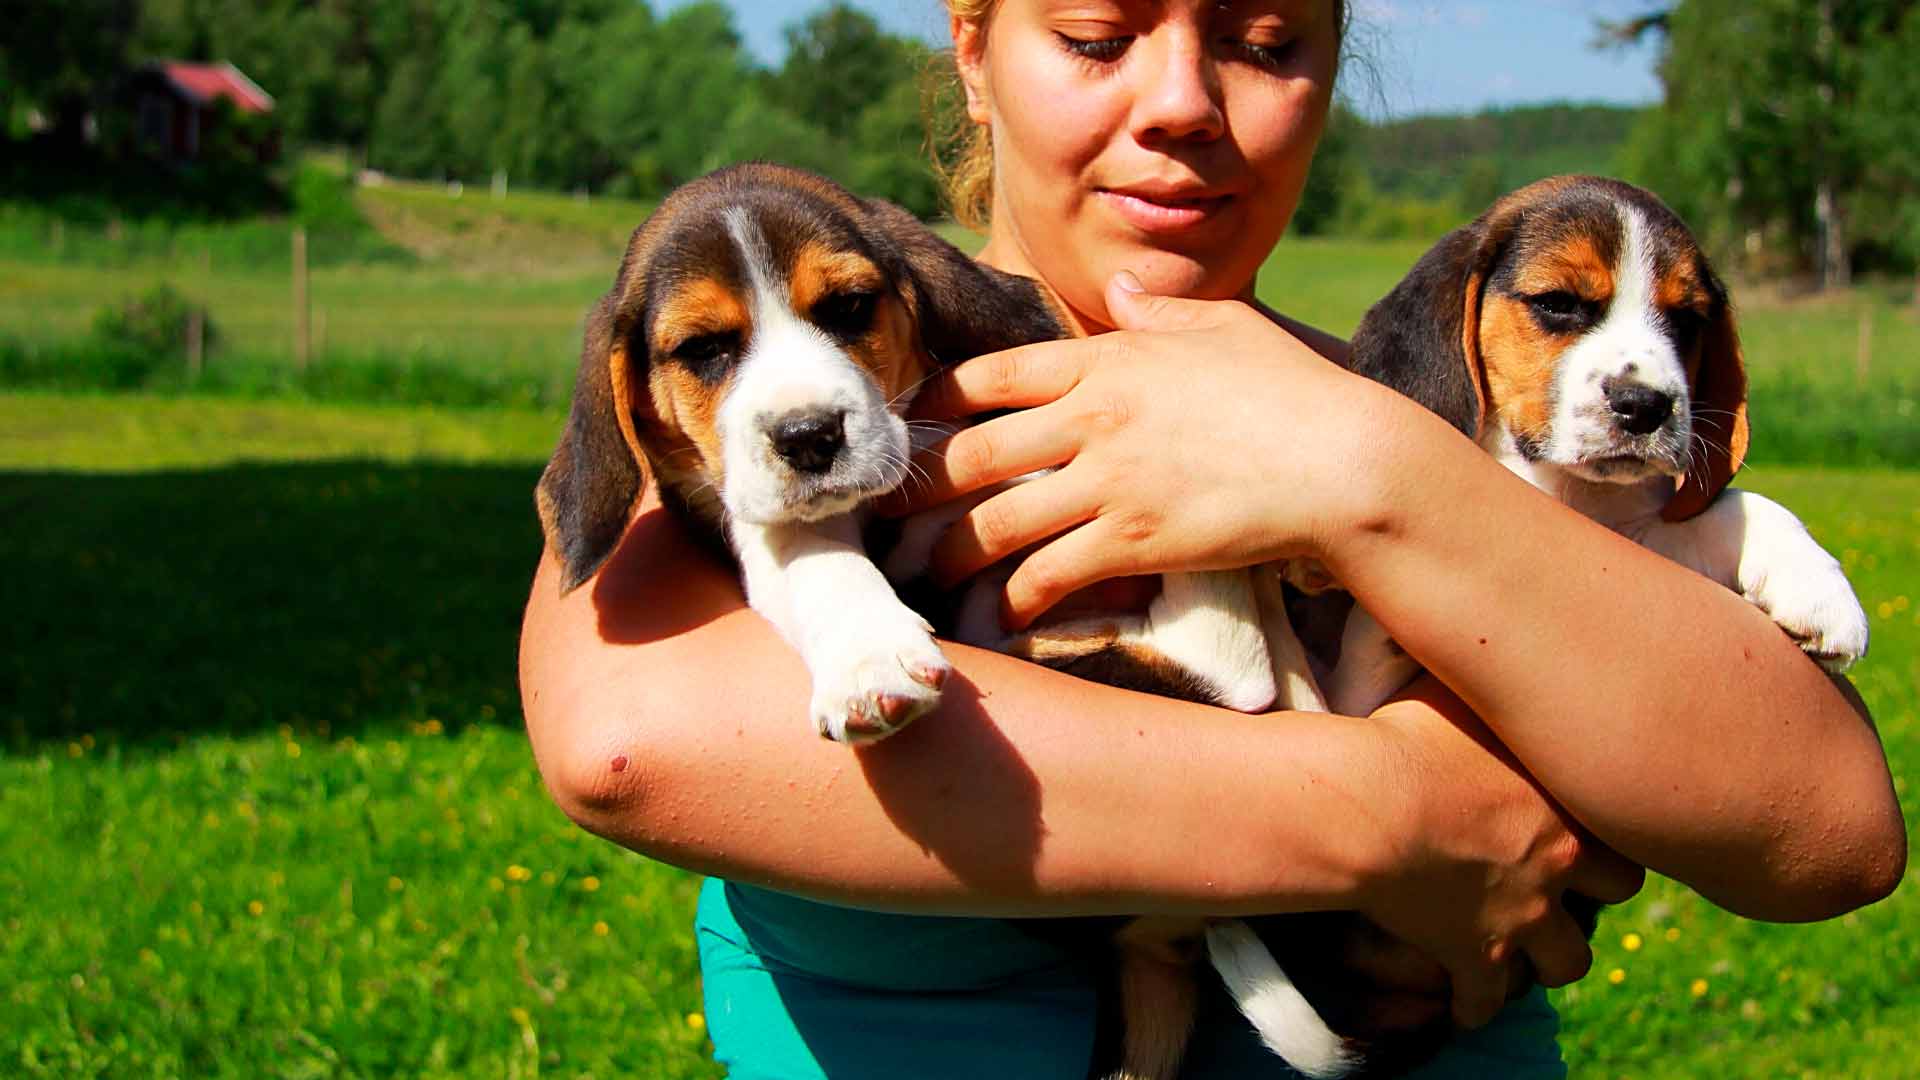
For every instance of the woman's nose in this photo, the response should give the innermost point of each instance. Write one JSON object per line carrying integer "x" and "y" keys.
{"x": 1178, "y": 92}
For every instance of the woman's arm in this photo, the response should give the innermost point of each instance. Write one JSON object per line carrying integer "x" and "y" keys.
{"x": 669, "y": 718}
{"x": 1669, "y": 715}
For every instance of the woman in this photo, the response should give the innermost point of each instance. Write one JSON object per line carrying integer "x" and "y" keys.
{"x": 1139, "y": 152}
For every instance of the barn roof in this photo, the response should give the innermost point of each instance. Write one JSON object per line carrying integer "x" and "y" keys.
{"x": 206, "y": 83}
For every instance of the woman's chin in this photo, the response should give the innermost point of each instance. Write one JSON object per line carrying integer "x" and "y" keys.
{"x": 1170, "y": 274}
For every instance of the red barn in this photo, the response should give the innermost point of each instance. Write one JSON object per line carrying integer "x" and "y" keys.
{"x": 175, "y": 108}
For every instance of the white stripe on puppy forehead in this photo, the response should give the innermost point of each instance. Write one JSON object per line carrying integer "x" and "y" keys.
{"x": 792, "y": 367}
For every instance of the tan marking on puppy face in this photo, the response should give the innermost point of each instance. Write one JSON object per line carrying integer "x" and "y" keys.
{"x": 702, "y": 306}
{"x": 683, "y": 440}
{"x": 889, "y": 349}
{"x": 820, "y": 271}
{"x": 683, "y": 437}
{"x": 1575, "y": 265}
{"x": 1517, "y": 361}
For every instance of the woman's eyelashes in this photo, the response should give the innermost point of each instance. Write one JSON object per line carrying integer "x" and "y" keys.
{"x": 1102, "y": 51}
{"x": 1099, "y": 50}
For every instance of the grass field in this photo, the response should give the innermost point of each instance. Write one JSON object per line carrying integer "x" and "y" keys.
{"x": 265, "y": 808}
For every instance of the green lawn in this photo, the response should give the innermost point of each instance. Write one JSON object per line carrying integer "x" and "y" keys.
{"x": 265, "y": 807}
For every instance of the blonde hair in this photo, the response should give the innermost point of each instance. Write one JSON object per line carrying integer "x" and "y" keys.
{"x": 962, "y": 151}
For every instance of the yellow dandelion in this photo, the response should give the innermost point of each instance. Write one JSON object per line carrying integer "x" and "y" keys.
{"x": 496, "y": 884}
{"x": 1900, "y": 603}
{"x": 244, "y": 809}
{"x": 516, "y": 872}
{"x": 1699, "y": 988}
{"x": 1631, "y": 943}
{"x": 1885, "y": 610}
{"x": 590, "y": 883}
{"x": 293, "y": 749}
{"x": 1617, "y": 976}
{"x": 394, "y": 884}
{"x": 286, "y": 731}
{"x": 256, "y": 909}
{"x": 696, "y": 1021}
{"x": 74, "y": 750}
{"x": 601, "y": 929}
{"x": 211, "y": 821}
{"x": 1673, "y": 933}
{"x": 520, "y": 1016}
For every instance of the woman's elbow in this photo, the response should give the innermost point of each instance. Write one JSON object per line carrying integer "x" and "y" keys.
{"x": 602, "y": 790}
{"x": 1852, "y": 855}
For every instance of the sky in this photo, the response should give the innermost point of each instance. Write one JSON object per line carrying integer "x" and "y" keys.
{"x": 1430, "y": 55}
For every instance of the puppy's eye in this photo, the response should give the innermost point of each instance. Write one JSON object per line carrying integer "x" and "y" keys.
{"x": 1563, "y": 312}
{"x": 1686, "y": 324}
{"x": 706, "y": 355}
{"x": 1559, "y": 305}
{"x": 845, "y": 315}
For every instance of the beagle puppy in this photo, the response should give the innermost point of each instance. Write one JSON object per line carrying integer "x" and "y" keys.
{"x": 1577, "y": 332}
{"x": 755, "y": 356}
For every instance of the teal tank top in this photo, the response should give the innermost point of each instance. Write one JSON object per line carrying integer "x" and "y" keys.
{"x": 799, "y": 990}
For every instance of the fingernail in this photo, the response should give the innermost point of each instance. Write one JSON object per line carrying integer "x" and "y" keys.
{"x": 1128, "y": 283}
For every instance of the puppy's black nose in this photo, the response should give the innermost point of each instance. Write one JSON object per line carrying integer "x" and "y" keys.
{"x": 809, "y": 441}
{"x": 1637, "y": 408}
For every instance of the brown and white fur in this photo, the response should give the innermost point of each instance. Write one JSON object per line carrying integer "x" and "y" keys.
{"x": 1577, "y": 332}
{"x": 756, "y": 355}
{"x": 767, "y": 330}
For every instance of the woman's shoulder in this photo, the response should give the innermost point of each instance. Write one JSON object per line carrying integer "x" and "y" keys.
{"x": 1327, "y": 345}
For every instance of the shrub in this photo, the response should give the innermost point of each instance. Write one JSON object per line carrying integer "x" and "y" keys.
{"x": 135, "y": 339}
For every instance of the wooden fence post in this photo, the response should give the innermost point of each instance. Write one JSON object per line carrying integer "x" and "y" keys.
{"x": 300, "y": 312}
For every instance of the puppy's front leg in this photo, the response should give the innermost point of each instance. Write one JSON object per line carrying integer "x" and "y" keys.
{"x": 1758, "y": 548}
{"x": 874, "y": 663}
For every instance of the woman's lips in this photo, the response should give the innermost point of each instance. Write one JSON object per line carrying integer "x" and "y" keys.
{"x": 1165, "y": 213}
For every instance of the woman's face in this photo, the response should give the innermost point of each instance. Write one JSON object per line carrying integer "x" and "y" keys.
{"x": 1166, "y": 137}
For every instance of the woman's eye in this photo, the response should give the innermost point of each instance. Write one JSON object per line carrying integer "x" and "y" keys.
{"x": 1267, "y": 54}
{"x": 1099, "y": 50}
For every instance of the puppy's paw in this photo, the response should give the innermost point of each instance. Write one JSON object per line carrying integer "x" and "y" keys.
{"x": 1792, "y": 578}
{"x": 1819, "y": 611}
{"x": 878, "y": 689}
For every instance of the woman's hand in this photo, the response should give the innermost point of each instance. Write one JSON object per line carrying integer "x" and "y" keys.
{"x": 1487, "y": 859}
{"x": 1199, "y": 435}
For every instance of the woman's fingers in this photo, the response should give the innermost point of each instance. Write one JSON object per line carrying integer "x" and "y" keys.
{"x": 1017, "y": 378}
{"x": 1020, "y": 516}
{"x": 1000, "y": 449}
{"x": 1087, "y": 554}
{"x": 1605, "y": 874}
{"x": 1480, "y": 988}
{"x": 1558, "y": 949}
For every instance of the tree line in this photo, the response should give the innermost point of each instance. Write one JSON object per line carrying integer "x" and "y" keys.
{"x": 1789, "y": 130}
{"x": 599, "y": 95}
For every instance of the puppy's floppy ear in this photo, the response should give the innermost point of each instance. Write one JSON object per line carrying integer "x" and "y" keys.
{"x": 589, "y": 487}
{"x": 1423, "y": 338}
{"x": 1719, "y": 416}
{"x": 963, "y": 308}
